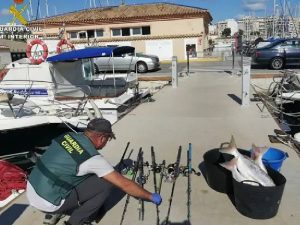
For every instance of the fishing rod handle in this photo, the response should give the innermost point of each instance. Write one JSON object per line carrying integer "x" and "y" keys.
{"x": 189, "y": 157}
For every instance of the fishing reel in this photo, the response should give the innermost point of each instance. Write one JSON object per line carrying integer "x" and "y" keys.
{"x": 170, "y": 173}
{"x": 126, "y": 167}
{"x": 148, "y": 169}
{"x": 125, "y": 170}
{"x": 141, "y": 180}
{"x": 185, "y": 171}
{"x": 159, "y": 168}
{"x": 156, "y": 168}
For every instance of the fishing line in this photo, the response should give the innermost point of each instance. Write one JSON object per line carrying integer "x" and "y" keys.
{"x": 135, "y": 170}
{"x": 154, "y": 169}
{"x": 176, "y": 174}
{"x": 141, "y": 180}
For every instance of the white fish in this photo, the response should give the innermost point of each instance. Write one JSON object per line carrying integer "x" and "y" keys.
{"x": 232, "y": 166}
{"x": 257, "y": 154}
{"x": 246, "y": 166}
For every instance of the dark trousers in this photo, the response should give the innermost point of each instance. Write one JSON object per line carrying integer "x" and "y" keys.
{"x": 91, "y": 194}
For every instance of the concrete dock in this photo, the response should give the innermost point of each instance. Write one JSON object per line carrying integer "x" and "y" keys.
{"x": 205, "y": 111}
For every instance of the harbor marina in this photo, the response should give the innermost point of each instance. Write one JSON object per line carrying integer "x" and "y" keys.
{"x": 200, "y": 111}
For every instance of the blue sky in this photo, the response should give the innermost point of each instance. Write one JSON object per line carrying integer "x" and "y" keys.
{"x": 219, "y": 9}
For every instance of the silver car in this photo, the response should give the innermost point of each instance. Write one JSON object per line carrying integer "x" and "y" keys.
{"x": 127, "y": 62}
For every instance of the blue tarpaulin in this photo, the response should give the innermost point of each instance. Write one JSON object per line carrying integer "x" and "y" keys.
{"x": 90, "y": 53}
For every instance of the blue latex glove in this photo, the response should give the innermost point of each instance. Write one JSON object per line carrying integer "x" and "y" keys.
{"x": 156, "y": 198}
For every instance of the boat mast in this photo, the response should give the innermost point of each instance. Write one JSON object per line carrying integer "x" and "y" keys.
{"x": 40, "y": 14}
{"x": 47, "y": 8}
{"x": 92, "y": 4}
{"x": 29, "y": 11}
{"x": 291, "y": 17}
{"x": 30, "y": 6}
{"x": 284, "y": 18}
{"x": 55, "y": 11}
{"x": 274, "y": 14}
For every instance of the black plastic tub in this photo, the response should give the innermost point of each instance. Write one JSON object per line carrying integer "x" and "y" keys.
{"x": 217, "y": 177}
{"x": 259, "y": 202}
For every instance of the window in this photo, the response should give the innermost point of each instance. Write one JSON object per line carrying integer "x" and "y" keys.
{"x": 91, "y": 33}
{"x": 82, "y": 34}
{"x": 291, "y": 44}
{"x": 73, "y": 35}
{"x": 131, "y": 31}
{"x": 136, "y": 31}
{"x": 86, "y": 34}
{"x": 191, "y": 50}
{"x": 99, "y": 33}
{"x": 116, "y": 32}
{"x": 146, "y": 30}
{"x": 125, "y": 31}
{"x": 121, "y": 32}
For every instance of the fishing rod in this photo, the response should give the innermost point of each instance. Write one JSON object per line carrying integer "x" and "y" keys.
{"x": 162, "y": 168}
{"x": 154, "y": 168}
{"x": 141, "y": 180}
{"x": 189, "y": 189}
{"x": 176, "y": 174}
{"x": 130, "y": 153}
{"x": 121, "y": 163}
{"x": 135, "y": 170}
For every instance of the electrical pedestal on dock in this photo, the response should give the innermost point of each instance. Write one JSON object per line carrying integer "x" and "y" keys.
{"x": 246, "y": 73}
{"x": 174, "y": 72}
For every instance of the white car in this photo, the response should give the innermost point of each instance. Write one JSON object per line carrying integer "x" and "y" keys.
{"x": 127, "y": 62}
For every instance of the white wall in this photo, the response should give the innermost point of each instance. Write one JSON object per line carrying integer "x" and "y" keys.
{"x": 5, "y": 57}
{"x": 233, "y": 25}
{"x": 162, "y": 48}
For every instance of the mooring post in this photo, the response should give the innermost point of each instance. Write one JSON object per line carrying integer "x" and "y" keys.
{"x": 246, "y": 73}
{"x": 174, "y": 72}
{"x": 233, "y": 55}
{"x": 188, "y": 62}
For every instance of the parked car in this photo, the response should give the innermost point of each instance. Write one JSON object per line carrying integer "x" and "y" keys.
{"x": 278, "y": 54}
{"x": 127, "y": 62}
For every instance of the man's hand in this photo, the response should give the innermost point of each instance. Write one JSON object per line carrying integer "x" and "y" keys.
{"x": 128, "y": 186}
{"x": 156, "y": 198}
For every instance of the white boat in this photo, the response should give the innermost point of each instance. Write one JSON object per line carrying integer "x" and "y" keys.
{"x": 289, "y": 88}
{"x": 293, "y": 96}
{"x": 64, "y": 89}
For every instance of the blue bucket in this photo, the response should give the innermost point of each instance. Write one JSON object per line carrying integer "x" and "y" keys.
{"x": 274, "y": 158}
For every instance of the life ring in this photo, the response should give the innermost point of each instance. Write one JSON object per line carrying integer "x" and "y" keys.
{"x": 41, "y": 58}
{"x": 63, "y": 42}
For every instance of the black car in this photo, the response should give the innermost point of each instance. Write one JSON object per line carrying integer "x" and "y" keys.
{"x": 278, "y": 54}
